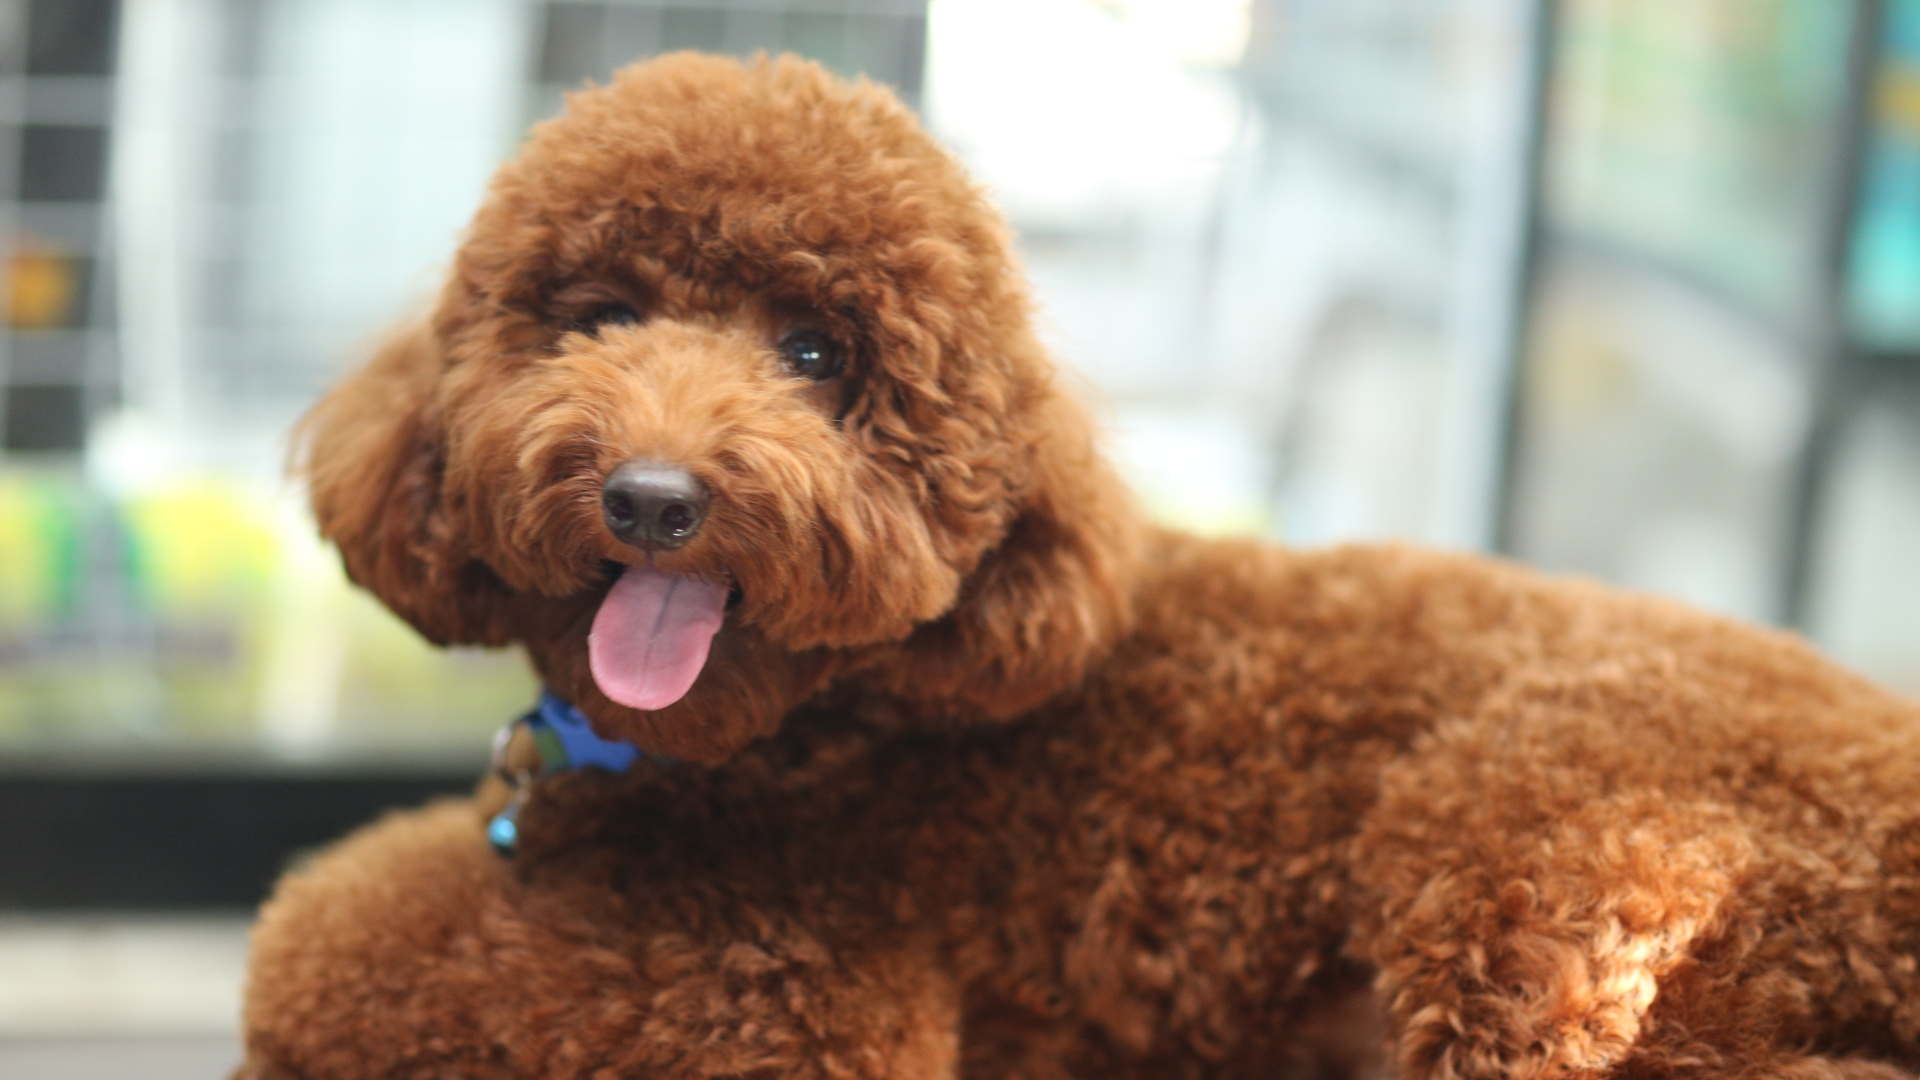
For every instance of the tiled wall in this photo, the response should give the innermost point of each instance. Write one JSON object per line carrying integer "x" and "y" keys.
{"x": 57, "y": 357}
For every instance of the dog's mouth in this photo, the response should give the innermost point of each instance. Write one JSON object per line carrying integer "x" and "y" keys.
{"x": 652, "y": 633}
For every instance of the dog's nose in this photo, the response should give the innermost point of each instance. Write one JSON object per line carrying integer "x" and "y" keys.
{"x": 653, "y": 506}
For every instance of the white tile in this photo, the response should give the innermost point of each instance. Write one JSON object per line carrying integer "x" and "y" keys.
{"x": 197, "y": 1058}
{"x": 70, "y": 977}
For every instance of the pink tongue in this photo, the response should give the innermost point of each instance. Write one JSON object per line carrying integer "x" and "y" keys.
{"x": 650, "y": 638}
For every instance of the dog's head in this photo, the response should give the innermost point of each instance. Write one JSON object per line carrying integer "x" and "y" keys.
{"x": 733, "y": 393}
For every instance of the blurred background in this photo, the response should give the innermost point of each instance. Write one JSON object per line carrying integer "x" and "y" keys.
{"x": 1627, "y": 288}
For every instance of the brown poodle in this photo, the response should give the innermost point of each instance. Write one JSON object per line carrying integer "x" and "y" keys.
{"x": 733, "y": 414}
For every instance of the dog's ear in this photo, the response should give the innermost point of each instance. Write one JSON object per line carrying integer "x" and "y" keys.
{"x": 1046, "y": 602}
{"x": 371, "y": 452}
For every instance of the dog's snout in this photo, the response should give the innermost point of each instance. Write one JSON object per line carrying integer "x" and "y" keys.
{"x": 653, "y": 506}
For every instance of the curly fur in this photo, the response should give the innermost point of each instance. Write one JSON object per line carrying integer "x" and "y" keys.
{"x": 987, "y": 778}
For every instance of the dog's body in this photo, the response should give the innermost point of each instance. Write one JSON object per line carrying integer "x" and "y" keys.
{"x": 982, "y": 777}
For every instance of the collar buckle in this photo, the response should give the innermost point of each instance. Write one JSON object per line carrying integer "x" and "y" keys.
{"x": 565, "y": 742}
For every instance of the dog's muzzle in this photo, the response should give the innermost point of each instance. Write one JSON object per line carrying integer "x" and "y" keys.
{"x": 652, "y": 505}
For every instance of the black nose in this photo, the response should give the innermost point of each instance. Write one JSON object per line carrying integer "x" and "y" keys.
{"x": 653, "y": 506}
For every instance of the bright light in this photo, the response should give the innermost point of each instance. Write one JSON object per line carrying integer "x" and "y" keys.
{"x": 1077, "y": 112}
{"x": 1204, "y": 33}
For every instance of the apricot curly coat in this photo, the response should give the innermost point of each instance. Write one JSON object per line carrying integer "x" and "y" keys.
{"x": 985, "y": 777}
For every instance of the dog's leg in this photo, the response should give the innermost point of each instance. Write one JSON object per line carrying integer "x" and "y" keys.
{"x": 1516, "y": 938}
{"x": 412, "y": 951}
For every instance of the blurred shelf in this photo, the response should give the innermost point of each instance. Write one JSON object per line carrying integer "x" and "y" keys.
{"x": 1661, "y": 267}
{"x": 146, "y": 832}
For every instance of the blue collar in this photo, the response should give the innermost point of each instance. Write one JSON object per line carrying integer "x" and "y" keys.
{"x": 566, "y": 742}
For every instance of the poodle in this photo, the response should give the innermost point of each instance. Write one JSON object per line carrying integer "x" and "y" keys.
{"x": 937, "y": 760}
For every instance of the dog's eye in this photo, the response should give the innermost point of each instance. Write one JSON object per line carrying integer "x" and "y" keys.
{"x": 811, "y": 354}
{"x": 609, "y": 315}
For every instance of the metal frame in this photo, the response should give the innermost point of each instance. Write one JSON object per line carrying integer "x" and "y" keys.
{"x": 1844, "y": 370}
{"x": 1545, "y": 26}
